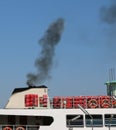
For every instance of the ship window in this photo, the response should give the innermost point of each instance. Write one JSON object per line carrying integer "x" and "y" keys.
{"x": 95, "y": 121}
{"x": 110, "y": 120}
{"x": 33, "y": 120}
{"x": 28, "y": 121}
{"x": 23, "y": 120}
{"x": 47, "y": 120}
{"x": 3, "y": 119}
{"x": 74, "y": 121}
{"x": 11, "y": 119}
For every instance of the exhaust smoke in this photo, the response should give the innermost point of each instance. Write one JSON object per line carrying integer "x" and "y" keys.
{"x": 45, "y": 62}
{"x": 108, "y": 14}
{"x": 108, "y": 18}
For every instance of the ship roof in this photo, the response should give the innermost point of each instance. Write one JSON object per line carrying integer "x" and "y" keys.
{"x": 109, "y": 82}
{"x": 16, "y": 90}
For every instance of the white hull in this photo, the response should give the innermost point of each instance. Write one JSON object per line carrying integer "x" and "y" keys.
{"x": 59, "y": 116}
{"x": 32, "y": 109}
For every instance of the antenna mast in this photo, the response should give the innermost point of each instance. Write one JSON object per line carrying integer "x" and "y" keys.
{"x": 111, "y": 74}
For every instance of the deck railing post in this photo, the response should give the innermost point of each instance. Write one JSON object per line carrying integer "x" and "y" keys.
{"x": 87, "y": 113}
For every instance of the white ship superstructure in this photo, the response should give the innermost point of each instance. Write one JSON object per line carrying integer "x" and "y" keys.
{"x": 31, "y": 108}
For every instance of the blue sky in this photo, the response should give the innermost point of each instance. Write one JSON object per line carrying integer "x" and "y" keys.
{"x": 83, "y": 56}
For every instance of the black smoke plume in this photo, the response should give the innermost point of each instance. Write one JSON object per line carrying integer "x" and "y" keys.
{"x": 45, "y": 62}
{"x": 108, "y": 14}
{"x": 108, "y": 18}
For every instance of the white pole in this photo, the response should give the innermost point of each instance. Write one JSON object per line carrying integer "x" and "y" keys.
{"x": 73, "y": 119}
{"x": 86, "y": 113}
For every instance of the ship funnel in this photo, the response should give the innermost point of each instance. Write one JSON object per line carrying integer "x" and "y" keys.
{"x": 111, "y": 88}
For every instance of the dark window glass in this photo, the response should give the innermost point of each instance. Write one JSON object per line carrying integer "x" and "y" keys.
{"x": 74, "y": 121}
{"x": 47, "y": 120}
{"x": 23, "y": 120}
{"x": 11, "y": 120}
{"x": 95, "y": 121}
{"x": 110, "y": 119}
